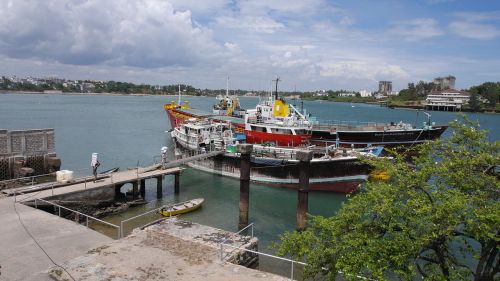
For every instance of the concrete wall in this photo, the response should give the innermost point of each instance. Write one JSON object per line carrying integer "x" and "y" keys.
{"x": 22, "y": 149}
{"x": 26, "y": 142}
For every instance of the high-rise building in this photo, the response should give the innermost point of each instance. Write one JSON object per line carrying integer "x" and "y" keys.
{"x": 444, "y": 83}
{"x": 384, "y": 87}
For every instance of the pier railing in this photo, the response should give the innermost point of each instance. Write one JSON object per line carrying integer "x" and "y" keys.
{"x": 122, "y": 234}
{"x": 77, "y": 214}
{"x": 293, "y": 263}
{"x": 224, "y": 245}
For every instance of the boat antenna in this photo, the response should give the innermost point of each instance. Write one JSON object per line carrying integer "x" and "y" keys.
{"x": 276, "y": 87}
{"x": 227, "y": 86}
{"x": 428, "y": 118}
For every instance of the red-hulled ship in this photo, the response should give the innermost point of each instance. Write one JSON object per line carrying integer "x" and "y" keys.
{"x": 274, "y": 121}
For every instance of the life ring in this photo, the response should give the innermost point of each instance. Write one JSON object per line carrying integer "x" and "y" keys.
{"x": 227, "y": 134}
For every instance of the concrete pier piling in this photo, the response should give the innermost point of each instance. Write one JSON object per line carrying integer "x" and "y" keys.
{"x": 304, "y": 157}
{"x": 245, "y": 151}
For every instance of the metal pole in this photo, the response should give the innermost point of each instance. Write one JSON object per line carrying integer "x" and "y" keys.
{"x": 245, "y": 151}
{"x": 291, "y": 275}
{"x": 59, "y": 211}
{"x": 87, "y": 221}
{"x": 304, "y": 157}
{"x": 121, "y": 229}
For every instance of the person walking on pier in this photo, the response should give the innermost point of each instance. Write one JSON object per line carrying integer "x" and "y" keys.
{"x": 94, "y": 163}
{"x": 163, "y": 156}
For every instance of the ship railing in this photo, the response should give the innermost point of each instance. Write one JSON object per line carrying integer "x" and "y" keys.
{"x": 278, "y": 122}
{"x": 343, "y": 124}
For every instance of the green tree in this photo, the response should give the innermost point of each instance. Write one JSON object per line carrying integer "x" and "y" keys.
{"x": 438, "y": 218}
{"x": 474, "y": 102}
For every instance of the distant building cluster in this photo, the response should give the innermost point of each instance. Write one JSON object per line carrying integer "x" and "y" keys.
{"x": 384, "y": 87}
{"x": 444, "y": 83}
{"x": 54, "y": 84}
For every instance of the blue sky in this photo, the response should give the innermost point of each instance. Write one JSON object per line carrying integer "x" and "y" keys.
{"x": 310, "y": 44}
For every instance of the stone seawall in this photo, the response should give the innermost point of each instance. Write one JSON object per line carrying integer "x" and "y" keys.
{"x": 27, "y": 152}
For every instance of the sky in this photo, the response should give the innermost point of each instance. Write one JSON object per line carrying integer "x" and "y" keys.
{"x": 310, "y": 44}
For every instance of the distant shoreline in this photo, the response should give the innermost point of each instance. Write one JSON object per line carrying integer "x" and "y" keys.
{"x": 79, "y": 94}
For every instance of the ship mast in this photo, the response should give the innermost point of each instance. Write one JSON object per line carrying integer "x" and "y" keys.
{"x": 179, "y": 103}
{"x": 276, "y": 87}
{"x": 227, "y": 86}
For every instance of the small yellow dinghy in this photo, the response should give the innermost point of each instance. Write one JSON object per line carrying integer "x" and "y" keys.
{"x": 181, "y": 208}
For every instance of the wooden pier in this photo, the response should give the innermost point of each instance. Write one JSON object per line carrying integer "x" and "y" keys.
{"x": 137, "y": 177}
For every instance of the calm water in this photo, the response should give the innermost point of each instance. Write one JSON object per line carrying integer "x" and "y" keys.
{"x": 130, "y": 130}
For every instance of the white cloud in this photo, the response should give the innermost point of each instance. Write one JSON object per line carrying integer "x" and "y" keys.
{"x": 232, "y": 47}
{"x": 475, "y": 25}
{"x": 250, "y": 24}
{"x": 302, "y": 8}
{"x": 417, "y": 29}
{"x": 362, "y": 70}
{"x": 120, "y": 32}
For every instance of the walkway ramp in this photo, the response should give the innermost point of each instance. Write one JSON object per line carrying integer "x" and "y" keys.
{"x": 201, "y": 156}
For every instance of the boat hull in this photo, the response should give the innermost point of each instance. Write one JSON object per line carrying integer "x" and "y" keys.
{"x": 386, "y": 138}
{"x": 342, "y": 175}
{"x": 255, "y": 137}
{"x": 182, "y": 208}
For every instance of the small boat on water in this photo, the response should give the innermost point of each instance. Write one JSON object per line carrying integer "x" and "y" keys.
{"x": 107, "y": 172}
{"x": 182, "y": 208}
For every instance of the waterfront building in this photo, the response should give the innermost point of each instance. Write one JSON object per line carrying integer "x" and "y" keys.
{"x": 365, "y": 93}
{"x": 385, "y": 87}
{"x": 444, "y": 83}
{"x": 447, "y": 100}
{"x": 348, "y": 94}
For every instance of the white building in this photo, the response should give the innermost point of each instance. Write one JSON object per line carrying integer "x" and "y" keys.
{"x": 447, "y": 100}
{"x": 365, "y": 93}
{"x": 349, "y": 94}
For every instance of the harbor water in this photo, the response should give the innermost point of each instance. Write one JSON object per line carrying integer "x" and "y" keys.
{"x": 128, "y": 131}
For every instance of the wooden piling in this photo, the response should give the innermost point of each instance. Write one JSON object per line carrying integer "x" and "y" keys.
{"x": 159, "y": 187}
{"x": 118, "y": 187}
{"x": 143, "y": 188}
{"x": 176, "y": 182}
{"x": 304, "y": 157}
{"x": 134, "y": 189}
{"x": 245, "y": 151}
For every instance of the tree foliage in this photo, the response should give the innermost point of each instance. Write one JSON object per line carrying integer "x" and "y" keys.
{"x": 438, "y": 218}
{"x": 489, "y": 91}
{"x": 474, "y": 102}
